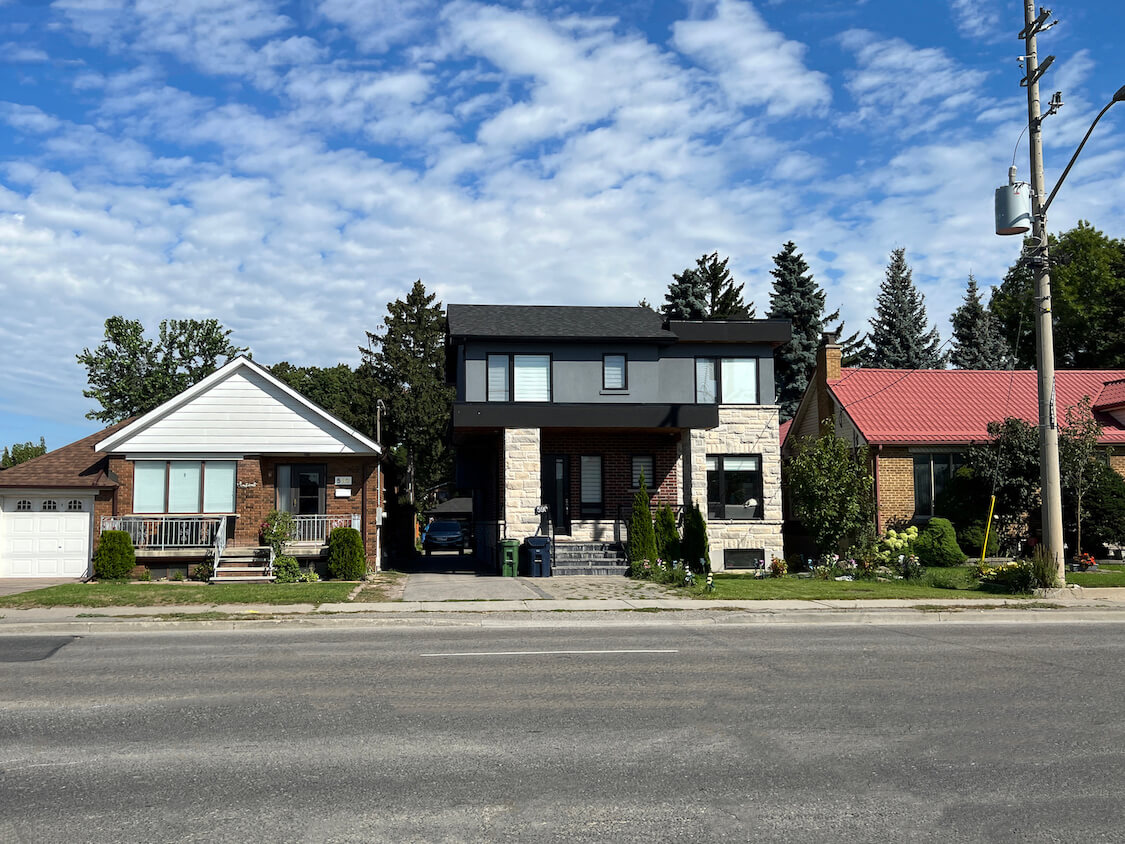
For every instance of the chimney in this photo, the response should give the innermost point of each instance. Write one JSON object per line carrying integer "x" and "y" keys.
{"x": 828, "y": 363}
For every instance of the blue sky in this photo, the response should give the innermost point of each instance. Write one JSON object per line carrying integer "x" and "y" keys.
{"x": 290, "y": 167}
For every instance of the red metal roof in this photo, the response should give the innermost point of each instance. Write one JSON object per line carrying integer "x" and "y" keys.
{"x": 783, "y": 430}
{"x": 955, "y": 406}
{"x": 1112, "y": 395}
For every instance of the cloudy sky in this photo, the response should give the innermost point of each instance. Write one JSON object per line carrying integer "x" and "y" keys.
{"x": 290, "y": 167}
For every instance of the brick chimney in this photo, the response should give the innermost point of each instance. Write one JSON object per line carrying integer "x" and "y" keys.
{"x": 828, "y": 363}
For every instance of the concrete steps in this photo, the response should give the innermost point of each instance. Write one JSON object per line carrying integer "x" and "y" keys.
{"x": 243, "y": 565}
{"x": 590, "y": 558}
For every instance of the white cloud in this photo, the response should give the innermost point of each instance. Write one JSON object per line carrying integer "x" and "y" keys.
{"x": 755, "y": 65}
{"x": 376, "y": 25}
{"x": 13, "y": 53}
{"x": 977, "y": 18}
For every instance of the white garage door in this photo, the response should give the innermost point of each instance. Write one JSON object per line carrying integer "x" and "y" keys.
{"x": 45, "y": 538}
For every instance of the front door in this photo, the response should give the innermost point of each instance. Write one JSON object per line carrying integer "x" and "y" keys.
{"x": 556, "y": 490}
{"x": 301, "y": 488}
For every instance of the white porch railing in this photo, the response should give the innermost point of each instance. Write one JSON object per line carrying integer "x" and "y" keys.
{"x": 161, "y": 532}
{"x": 317, "y": 528}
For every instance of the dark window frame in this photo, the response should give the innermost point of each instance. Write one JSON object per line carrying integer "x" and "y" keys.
{"x": 591, "y": 508}
{"x": 487, "y": 380}
{"x": 649, "y": 478}
{"x": 953, "y": 461}
{"x": 294, "y": 468}
{"x": 512, "y": 377}
{"x": 719, "y": 378}
{"x": 717, "y": 509}
{"x": 624, "y": 371}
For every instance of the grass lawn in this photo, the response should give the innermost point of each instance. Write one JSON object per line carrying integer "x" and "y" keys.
{"x": 938, "y": 583}
{"x": 1109, "y": 577}
{"x": 171, "y": 594}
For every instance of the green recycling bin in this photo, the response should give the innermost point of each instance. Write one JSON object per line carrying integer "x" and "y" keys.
{"x": 509, "y": 557}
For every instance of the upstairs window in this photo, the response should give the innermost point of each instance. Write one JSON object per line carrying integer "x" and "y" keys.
{"x": 498, "y": 378}
{"x": 614, "y": 375}
{"x": 726, "y": 381}
{"x": 706, "y": 381}
{"x": 531, "y": 377}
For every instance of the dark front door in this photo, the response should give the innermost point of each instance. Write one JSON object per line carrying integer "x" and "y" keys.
{"x": 301, "y": 488}
{"x": 556, "y": 490}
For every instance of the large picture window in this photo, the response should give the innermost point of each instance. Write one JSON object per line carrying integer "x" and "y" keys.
{"x": 726, "y": 381}
{"x": 734, "y": 486}
{"x": 531, "y": 377}
{"x": 183, "y": 486}
{"x": 932, "y": 474}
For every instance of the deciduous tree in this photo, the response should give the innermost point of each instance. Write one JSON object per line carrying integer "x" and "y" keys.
{"x": 22, "y": 452}
{"x": 831, "y": 487}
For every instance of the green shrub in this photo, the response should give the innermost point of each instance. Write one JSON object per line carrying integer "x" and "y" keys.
{"x": 346, "y": 557}
{"x": 145, "y": 576}
{"x": 286, "y": 570}
{"x": 941, "y": 579}
{"x": 695, "y": 547}
{"x": 278, "y": 528}
{"x": 1043, "y": 570}
{"x": 1103, "y": 509}
{"x": 203, "y": 571}
{"x": 642, "y": 537}
{"x": 115, "y": 558}
{"x": 1015, "y": 577}
{"x": 971, "y": 539}
{"x": 667, "y": 534}
{"x": 937, "y": 545}
{"x": 909, "y": 567}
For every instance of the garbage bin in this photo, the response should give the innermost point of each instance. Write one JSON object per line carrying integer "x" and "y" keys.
{"x": 539, "y": 555}
{"x": 509, "y": 557}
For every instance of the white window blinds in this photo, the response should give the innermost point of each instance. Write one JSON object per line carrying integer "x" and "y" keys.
{"x": 591, "y": 479}
{"x": 218, "y": 486}
{"x": 498, "y": 378}
{"x": 532, "y": 377}
{"x": 148, "y": 486}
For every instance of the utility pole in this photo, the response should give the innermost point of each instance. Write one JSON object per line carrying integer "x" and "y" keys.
{"x": 1049, "y": 482}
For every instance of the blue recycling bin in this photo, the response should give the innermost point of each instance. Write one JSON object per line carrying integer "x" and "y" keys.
{"x": 539, "y": 555}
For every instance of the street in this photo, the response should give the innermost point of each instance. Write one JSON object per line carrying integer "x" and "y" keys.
{"x": 643, "y": 733}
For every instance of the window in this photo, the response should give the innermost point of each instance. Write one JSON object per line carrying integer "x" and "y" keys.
{"x": 932, "y": 474}
{"x": 301, "y": 489}
{"x": 734, "y": 486}
{"x": 74, "y": 505}
{"x": 591, "y": 485}
{"x": 744, "y": 558}
{"x": 531, "y": 377}
{"x": 183, "y": 486}
{"x": 498, "y": 378}
{"x": 642, "y": 464}
{"x": 50, "y": 505}
{"x": 23, "y": 505}
{"x": 614, "y": 372}
{"x": 726, "y": 381}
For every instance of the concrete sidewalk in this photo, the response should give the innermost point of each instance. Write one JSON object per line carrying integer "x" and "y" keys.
{"x": 1068, "y": 606}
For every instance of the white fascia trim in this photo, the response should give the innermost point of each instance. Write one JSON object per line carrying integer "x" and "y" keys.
{"x": 220, "y": 374}
{"x": 184, "y": 456}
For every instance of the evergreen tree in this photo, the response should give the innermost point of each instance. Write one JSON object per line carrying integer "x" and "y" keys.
{"x": 977, "y": 343}
{"x": 799, "y": 299}
{"x": 407, "y": 365}
{"x": 899, "y": 338}
{"x": 706, "y": 291}
{"x": 642, "y": 535}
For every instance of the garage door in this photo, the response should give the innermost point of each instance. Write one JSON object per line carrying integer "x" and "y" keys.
{"x": 45, "y": 538}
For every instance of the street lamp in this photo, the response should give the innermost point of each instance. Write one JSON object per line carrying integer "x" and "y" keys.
{"x": 1012, "y": 216}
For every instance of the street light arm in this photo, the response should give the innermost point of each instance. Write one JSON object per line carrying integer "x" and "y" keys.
{"x": 1118, "y": 97}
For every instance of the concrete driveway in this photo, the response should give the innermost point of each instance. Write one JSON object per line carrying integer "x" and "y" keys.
{"x": 15, "y": 585}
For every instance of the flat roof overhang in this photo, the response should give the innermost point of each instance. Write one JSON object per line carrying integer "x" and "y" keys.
{"x": 545, "y": 415}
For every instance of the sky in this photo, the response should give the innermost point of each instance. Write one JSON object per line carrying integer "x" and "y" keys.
{"x": 289, "y": 168}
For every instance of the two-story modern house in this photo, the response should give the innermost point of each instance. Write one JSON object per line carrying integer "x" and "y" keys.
{"x": 567, "y": 407}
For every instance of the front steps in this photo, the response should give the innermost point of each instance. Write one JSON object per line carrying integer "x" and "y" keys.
{"x": 243, "y": 565}
{"x": 604, "y": 558}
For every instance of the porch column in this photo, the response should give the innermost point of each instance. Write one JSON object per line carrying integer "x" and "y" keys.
{"x": 522, "y": 482}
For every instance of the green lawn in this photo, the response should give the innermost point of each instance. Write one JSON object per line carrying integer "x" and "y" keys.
{"x": 1109, "y": 577}
{"x": 955, "y": 583}
{"x": 172, "y": 594}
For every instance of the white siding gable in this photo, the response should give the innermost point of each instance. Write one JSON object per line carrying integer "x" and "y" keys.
{"x": 243, "y": 413}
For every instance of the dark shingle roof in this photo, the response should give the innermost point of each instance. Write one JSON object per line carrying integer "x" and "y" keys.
{"x": 556, "y": 322}
{"x": 75, "y": 465}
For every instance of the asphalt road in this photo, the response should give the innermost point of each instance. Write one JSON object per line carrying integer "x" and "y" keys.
{"x": 919, "y": 733}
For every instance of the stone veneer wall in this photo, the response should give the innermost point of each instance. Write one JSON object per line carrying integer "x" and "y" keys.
{"x": 521, "y": 481}
{"x": 741, "y": 430}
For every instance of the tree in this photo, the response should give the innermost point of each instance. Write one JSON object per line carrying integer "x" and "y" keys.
{"x": 1078, "y": 445}
{"x": 706, "y": 291}
{"x": 1087, "y": 300}
{"x": 831, "y": 488}
{"x": 340, "y": 390}
{"x": 406, "y": 365}
{"x": 977, "y": 339}
{"x": 22, "y": 452}
{"x": 799, "y": 299}
{"x": 642, "y": 536}
{"x": 1008, "y": 464}
{"x": 694, "y": 546}
{"x": 900, "y": 336}
{"x": 130, "y": 374}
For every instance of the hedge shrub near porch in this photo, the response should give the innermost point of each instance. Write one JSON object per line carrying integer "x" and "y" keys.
{"x": 346, "y": 558}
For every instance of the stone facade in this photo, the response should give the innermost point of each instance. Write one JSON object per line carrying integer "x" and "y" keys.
{"x": 741, "y": 430}
{"x": 522, "y": 482}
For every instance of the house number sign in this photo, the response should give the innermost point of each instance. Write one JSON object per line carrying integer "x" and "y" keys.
{"x": 343, "y": 480}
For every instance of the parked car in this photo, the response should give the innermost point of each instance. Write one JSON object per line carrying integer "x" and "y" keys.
{"x": 445, "y": 536}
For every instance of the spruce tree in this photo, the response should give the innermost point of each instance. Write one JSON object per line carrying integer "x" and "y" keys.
{"x": 900, "y": 336}
{"x": 706, "y": 291}
{"x": 799, "y": 299}
{"x": 977, "y": 343}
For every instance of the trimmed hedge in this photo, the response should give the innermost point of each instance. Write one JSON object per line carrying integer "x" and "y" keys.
{"x": 937, "y": 544}
{"x": 346, "y": 558}
{"x": 115, "y": 558}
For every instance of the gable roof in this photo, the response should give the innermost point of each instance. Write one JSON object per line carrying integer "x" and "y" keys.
{"x": 76, "y": 466}
{"x": 239, "y": 408}
{"x": 556, "y": 322}
{"x": 955, "y": 405}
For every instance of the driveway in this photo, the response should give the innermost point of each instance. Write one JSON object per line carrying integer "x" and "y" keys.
{"x": 15, "y": 585}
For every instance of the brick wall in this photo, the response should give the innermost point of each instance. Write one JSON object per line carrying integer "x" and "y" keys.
{"x": 103, "y": 506}
{"x": 895, "y": 475}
